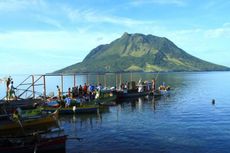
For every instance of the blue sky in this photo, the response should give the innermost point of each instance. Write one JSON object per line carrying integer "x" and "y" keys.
{"x": 39, "y": 36}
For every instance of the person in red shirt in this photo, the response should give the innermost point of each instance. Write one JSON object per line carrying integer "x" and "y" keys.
{"x": 85, "y": 89}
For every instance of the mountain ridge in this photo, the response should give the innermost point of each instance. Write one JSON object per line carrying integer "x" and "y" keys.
{"x": 142, "y": 53}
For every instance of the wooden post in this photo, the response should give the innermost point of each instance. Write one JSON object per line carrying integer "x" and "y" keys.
{"x": 74, "y": 80}
{"x": 104, "y": 80}
{"x": 62, "y": 83}
{"x": 33, "y": 86}
{"x": 131, "y": 76}
{"x": 120, "y": 79}
{"x": 97, "y": 80}
{"x": 116, "y": 80}
{"x": 44, "y": 86}
{"x": 87, "y": 79}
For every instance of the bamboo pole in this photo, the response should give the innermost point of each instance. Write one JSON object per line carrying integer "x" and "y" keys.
{"x": 62, "y": 83}
{"x": 44, "y": 86}
{"x": 104, "y": 80}
{"x": 131, "y": 76}
{"x": 97, "y": 79}
{"x": 33, "y": 86}
{"x": 116, "y": 80}
{"x": 87, "y": 79}
{"x": 120, "y": 79}
{"x": 74, "y": 80}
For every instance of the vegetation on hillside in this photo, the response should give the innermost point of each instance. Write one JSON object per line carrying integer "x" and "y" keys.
{"x": 138, "y": 52}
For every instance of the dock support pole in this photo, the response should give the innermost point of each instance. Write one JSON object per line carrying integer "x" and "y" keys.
{"x": 33, "y": 86}
{"x": 44, "y": 87}
{"x": 62, "y": 84}
{"x": 120, "y": 80}
{"x": 97, "y": 80}
{"x": 116, "y": 80}
{"x": 74, "y": 80}
{"x": 104, "y": 80}
{"x": 131, "y": 76}
{"x": 87, "y": 79}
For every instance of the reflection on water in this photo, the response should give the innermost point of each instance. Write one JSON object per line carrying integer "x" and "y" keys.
{"x": 184, "y": 121}
{"x": 83, "y": 121}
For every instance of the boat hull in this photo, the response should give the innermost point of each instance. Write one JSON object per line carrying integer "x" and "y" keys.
{"x": 12, "y": 124}
{"x": 56, "y": 144}
{"x": 131, "y": 94}
{"x": 71, "y": 110}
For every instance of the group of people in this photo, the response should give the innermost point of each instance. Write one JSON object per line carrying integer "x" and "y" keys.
{"x": 80, "y": 91}
{"x": 141, "y": 85}
{"x": 10, "y": 89}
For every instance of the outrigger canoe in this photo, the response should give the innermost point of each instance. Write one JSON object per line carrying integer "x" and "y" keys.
{"x": 105, "y": 101}
{"x": 9, "y": 123}
{"x": 74, "y": 109}
{"x": 161, "y": 92}
{"x": 33, "y": 143}
{"x": 11, "y": 105}
{"x": 131, "y": 94}
{"x": 100, "y": 104}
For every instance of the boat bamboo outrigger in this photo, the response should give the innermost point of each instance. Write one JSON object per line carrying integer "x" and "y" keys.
{"x": 11, "y": 122}
{"x": 41, "y": 142}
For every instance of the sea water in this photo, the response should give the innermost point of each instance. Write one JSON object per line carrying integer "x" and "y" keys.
{"x": 185, "y": 121}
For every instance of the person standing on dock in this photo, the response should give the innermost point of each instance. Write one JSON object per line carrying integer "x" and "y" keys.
{"x": 85, "y": 88}
{"x": 153, "y": 84}
{"x": 59, "y": 93}
{"x": 8, "y": 87}
{"x": 12, "y": 91}
{"x": 91, "y": 91}
{"x": 99, "y": 87}
{"x": 69, "y": 93}
{"x": 80, "y": 90}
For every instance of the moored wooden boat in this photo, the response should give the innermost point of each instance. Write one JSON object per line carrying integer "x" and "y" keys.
{"x": 11, "y": 123}
{"x": 105, "y": 101}
{"x": 81, "y": 105}
{"x": 33, "y": 143}
{"x": 131, "y": 94}
{"x": 161, "y": 92}
{"x": 11, "y": 105}
{"x": 74, "y": 109}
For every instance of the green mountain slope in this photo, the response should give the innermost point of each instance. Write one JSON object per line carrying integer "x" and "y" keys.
{"x": 138, "y": 52}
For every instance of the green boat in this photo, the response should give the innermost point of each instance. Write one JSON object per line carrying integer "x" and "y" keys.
{"x": 74, "y": 109}
{"x": 9, "y": 122}
{"x": 105, "y": 101}
{"x": 100, "y": 104}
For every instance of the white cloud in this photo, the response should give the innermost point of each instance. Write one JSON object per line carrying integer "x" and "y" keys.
{"x": 16, "y": 5}
{"x": 40, "y": 40}
{"x": 66, "y": 41}
{"x": 93, "y": 16}
{"x": 41, "y": 52}
{"x": 223, "y": 31}
{"x": 49, "y": 21}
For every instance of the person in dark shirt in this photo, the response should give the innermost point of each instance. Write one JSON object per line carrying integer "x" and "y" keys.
{"x": 8, "y": 87}
{"x": 12, "y": 90}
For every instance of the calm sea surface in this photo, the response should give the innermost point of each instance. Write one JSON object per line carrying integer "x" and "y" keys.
{"x": 186, "y": 121}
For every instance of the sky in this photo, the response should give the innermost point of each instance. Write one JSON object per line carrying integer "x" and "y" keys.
{"x": 41, "y": 36}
